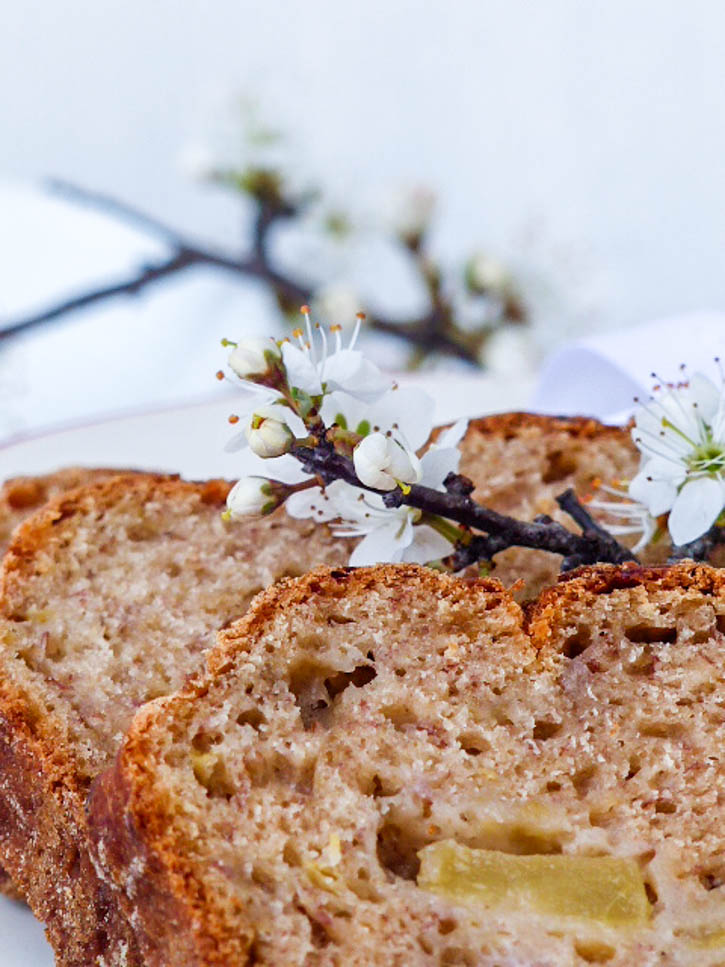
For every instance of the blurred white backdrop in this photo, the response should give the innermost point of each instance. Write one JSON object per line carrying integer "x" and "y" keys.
{"x": 582, "y": 142}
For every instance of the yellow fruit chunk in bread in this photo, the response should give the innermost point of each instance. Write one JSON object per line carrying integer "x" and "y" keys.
{"x": 606, "y": 889}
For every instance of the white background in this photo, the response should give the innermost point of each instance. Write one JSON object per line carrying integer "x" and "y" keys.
{"x": 580, "y": 142}
{"x": 601, "y": 121}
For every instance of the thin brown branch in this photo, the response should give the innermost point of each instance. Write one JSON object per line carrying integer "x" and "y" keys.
{"x": 435, "y": 331}
{"x": 148, "y": 274}
{"x": 594, "y": 545}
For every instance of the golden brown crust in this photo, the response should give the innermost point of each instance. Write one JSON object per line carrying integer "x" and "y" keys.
{"x": 22, "y": 496}
{"x": 39, "y": 529}
{"x": 603, "y": 579}
{"x": 156, "y": 907}
{"x": 19, "y": 498}
{"x": 337, "y": 583}
{"x": 513, "y": 424}
{"x": 31, "y": 549}
{"x": 32, "y": 812}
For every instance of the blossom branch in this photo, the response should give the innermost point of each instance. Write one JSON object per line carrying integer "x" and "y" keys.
{"x": 375, "y": 476}
{"x": 592, "y": 546}
{"x": 436, "y": 330}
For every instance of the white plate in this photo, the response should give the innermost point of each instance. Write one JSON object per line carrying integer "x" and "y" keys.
{"x": 189, "y": 440}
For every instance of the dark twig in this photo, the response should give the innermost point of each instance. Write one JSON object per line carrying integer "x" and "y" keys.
{"x": 569, "y": 503}
{"x": 180, "y": 260}
{"x": 594, "y": 545}
{"x": 701, "y": 548}
{"x": 112, "y": 206}
{"x": 435, "y": 331}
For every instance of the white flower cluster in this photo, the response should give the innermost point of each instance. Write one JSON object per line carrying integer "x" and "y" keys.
{"x": 293, "y": 384}
{"x": 681, "y": 435}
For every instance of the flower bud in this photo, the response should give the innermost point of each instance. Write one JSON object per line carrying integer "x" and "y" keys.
{"x": 411, "y": 212}
{"x": 252, "y": 497}
{"x": 254, "y": 356}
{"x": 485, "y": 274}
{"x": 268, "y": 437}
{"x": 381, "y": 462}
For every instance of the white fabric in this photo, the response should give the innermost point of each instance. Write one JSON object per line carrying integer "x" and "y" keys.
{"x": 600, "y": 375}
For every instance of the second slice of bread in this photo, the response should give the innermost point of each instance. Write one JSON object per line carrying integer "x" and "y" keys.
{"x": 291, "y": 807}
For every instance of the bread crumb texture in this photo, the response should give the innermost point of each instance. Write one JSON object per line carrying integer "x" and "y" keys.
{"x": 390, "y": 766}
{"x": 110, "y": 595}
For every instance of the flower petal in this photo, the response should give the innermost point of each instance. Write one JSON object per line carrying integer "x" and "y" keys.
{"x": 428, "y": 545}
{"x": 385, "y": 544}
{"x": 348, "y": 370}
{"x": 436, "y": 464}
{"x": 656, "y": 485}
{"x": 707, "y": 396}
{"x": 311, "y": 503}
{"x": 696, "y": 509}
{"x": 371, "y": 459}
{"x": 237, "y": 442}
{"x": 301, "y": 373}
{"x": 452, "y": 436}
{"x": 411, "y": 410}
{"x": 403, "y": 464}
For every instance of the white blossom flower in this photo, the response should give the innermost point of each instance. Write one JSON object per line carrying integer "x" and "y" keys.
{"x": 681, "y": 435}
{"x": 259, "y": 401}
{"x": 267, "y": 435}
{"x": 388, "y": 534}
{"x": 443, "y": 456}
{"x": 314, "y": 369}
{"x": 338, "y": 303}
{"x": 623, "y": 516}
{"x": 381, "y": 462}
{"x": 250, "y": 497}
{"x": 410, "y": 209}
{"x": 253, "y": 356}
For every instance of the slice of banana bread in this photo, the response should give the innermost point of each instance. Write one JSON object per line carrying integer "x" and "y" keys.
{"x": 393, "y": 767}
{"x": 19, "y": 498}
{"x": 109, "y": 596}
